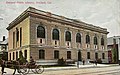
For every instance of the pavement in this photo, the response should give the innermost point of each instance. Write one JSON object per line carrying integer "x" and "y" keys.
{"x": 10, "y": 71}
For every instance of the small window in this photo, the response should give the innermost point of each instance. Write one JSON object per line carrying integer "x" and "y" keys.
{"x": 67, "y": 43}
{"x": 87, "y": 46}
{"x": 55, "y": 42}
{"x": 40, "y": 40}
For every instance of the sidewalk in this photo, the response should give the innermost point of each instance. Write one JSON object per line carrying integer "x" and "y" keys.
{"x": 10, "y": 71}
{"x": 76, "y": 67}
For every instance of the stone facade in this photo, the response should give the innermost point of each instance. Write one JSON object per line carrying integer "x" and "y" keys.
{"x": 31, "y": 18}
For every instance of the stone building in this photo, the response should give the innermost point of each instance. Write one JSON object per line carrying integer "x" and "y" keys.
{"x": 4, "y": 48}
{"x": 47, "y": 37}
{"x": 113, "y": 46}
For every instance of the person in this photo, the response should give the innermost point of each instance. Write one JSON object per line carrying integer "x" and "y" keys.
{"x": 96, "y": 62}
{"x": 2, "y": 65}
{"x": 32, "y": 62}
{"x": 83, "y": 62}
{"x": 15, "y": 65}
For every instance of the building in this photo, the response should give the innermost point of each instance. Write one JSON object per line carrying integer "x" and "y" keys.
{"x": 48, "y": 37}
{"x": 4, "y": 48}
{"x": 113, "y": 46}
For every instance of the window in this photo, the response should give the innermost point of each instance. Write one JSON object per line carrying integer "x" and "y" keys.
{"x": 13, "y": 55}
{"x": 40, "y": 32}
{"x": 55, "y": 34}
{"x": 17, "y": 35}
{"x": 95, "y": 40}
{"x": 20, "y": 53}
{"x": 68, "y": 54}
{"x": 55, "y": 42}
{"x": 20, "y": 37}
{"x": 103, "y": 55}
{"x": 78, "y": 38}
{"x": 13, "y": 39}
{"x": 88, "y": 55}
{"x": 40, "y": 40}
{"x": 67, "y": 43}
{"x": 96, "y": 55}
{"x": 102, "y": 41}
{"x": 87, "y": 39}
{"x": 67, "y": 36}
{"x": 41, "y": 54}
{"x": 25, "y": 53}
{"x": 16, "y": 55}
{"x": 10, "y": 56}
{"x": 56, "y": 54}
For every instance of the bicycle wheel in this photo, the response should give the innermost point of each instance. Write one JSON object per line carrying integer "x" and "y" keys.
{"x": 24, "y": 70}
{"x": 39, "y": 69}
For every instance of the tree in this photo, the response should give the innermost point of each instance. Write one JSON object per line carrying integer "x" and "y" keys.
{"x": 114, "y": 52}
{"x": 21, "y": 59}
{"x": 114, "y": 55}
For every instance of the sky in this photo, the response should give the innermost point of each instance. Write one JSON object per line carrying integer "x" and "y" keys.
{"x": 102, "y": 13}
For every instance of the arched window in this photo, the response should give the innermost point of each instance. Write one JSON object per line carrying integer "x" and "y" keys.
{"x": 95, "y": 40}
{"x": 55, "y": 34}
{"x": 78, "y": 38}
{"x": 102, "y": 41}
{"x": 87, "y": 39}
{"x": 40, "y": 32}
{"x": 67, "y": 36}
{"x": 41, "y": 54}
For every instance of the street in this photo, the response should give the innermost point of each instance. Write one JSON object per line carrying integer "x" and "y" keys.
{"x": 111, "y": 70}
{"x": 88, "y": 70}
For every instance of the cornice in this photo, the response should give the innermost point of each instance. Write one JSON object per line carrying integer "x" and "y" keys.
{"x": 33, "y": 12}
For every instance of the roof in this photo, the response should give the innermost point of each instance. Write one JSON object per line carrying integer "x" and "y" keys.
{"x": 110, "y": 40}
{"x": 0, "y": 42}
{"x": 5, "y": 42}
{"x": 50, "y": 16}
